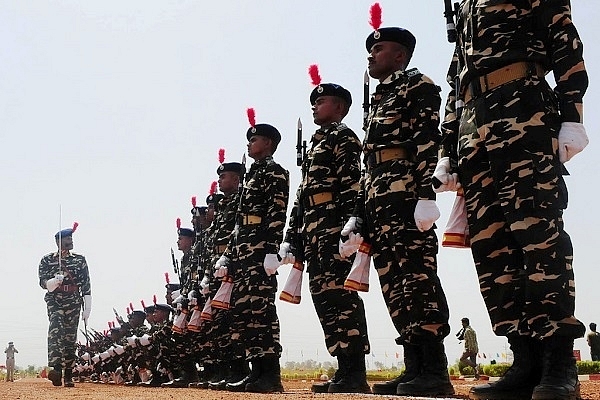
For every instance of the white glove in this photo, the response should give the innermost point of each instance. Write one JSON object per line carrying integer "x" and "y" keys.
{"x": 111, "y": 351}
{"x": 145, "y": 340}
{"x": 351, "y": 245}
{"x": 353, "y": 225}
{"x": 96, "y": 359}
{"x": 204, "y": 288}
{"x": 175, "y": 294}
{"x": 449, "y": 182}
{"x": 178, "y": 300}
{"x": 86, "y": 357}
{"x": 52, "y": 284}
{"x": 426, "y": 213}
{"x": 104, "y": 356}
{"x": 285, "y": 252}
{"x": 192, "y": 298}
{"x": 571, "y": 140}
{"x": 221, "y": 272}
{"x": 131, "y": 341}
{"x": 87, "y": 307}
{"x": 221, "y": 266}
{"x": 271, "y": 263}
{"x": 119, "y": 349}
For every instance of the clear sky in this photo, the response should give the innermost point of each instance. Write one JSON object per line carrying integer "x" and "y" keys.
{"x": 114, "y": 112}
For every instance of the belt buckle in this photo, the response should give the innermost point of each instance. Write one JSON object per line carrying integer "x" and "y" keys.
{"x": 65, "y": 288}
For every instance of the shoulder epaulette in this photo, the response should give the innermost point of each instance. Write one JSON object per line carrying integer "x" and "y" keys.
{"x": 412, "y": 72}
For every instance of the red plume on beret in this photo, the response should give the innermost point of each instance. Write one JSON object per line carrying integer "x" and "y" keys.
{"x": 313, "y": 71}
{"x": 131, "y": 306}
{"x": 193, "y": 201}
{"x": 154, "y": 299}
{"x": 143, "y": 304}
{"x": 167, "y": 277}
{"x": 213, "y": 187}
{"x": 178, "y": 223}
{"x": 251, "y": 116}
{"x": 75, "y": 225}
{"x": 221, "y": 156}
{"x": 375, "y": 13}
{"x": 127, "y": 310}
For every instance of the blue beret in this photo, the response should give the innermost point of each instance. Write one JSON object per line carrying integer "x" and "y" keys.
{"x": 172, "y": 286}
{"x": 264, "y": 130}
{"x": 186, "y": 232}
{"x": 236, "y": 167}
{"x": 392, "y": 34}
{"x": 149, "y": 309}
{"x": 64, "y": 233}
{"x": 199, "y": 211}
{"x": 138, "y": 313}
{"x": 330, "y": 89}
{"x": 214, "y": 198}
{"x": 164, "y": 307}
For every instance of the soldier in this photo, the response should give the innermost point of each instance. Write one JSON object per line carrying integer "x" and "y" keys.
{"x": 65, "y": 277}
{"x": 251, "y": 258}
{"x": 327, "y": 196}
{"x": 513, "y": 137}
{"x": 469, "y": 355}
{"x": 397, "y": 206}
{"x": 10, "y": 361}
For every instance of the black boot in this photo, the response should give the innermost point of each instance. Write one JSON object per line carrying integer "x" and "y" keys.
{"x": 269, "y": 380}
{"x": 412, "y": 367}
{"x": 355, "y": 380}
{"x": 208, "y": 373}
{"x": 188, "y": 375}
{"x": 433, "y": 379}
{"x": 156, "y": 380}
{"x": 55, "y": 375}
{"x": 559, "y": 378}
{"x": 218, "y": 380}
{"x": 135, "y": 379}
{"x": 68, "y": 378}
{"x": 240, "y": 386}
{"x": 520, "y": 379}
{"x": 323, "y": 387}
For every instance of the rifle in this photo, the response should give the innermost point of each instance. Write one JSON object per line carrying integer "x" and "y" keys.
{"x": 118, "y": 317}
{"x": 366, "y": 98}
{"x": 175, "y": 265}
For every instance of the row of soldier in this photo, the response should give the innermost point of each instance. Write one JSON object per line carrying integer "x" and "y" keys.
{"x": 513, "y": 137}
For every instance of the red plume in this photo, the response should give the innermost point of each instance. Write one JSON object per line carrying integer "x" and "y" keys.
{"x": 193, "y": 201}
{"x": 75, "y": 225}
{"x": 313, "y": 71}
{"x": 221, "y": 156}
{"x": 167, "y": 277}
{"x": 130, "y": 307}
{"x": 375, "y": 13}
{"x": 143, "y": 304}
{"x": 213, "y": 187}
{"x": 178, "y": 223}
{"x": 154, "y": 299}
{"x": 127, "y": 310}
{"x": 251, "y": 116}
{"x": 105, "y": 332}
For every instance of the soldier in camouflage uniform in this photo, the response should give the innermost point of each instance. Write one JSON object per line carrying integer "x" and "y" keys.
{"x": 251, "y": 258}
{"x": 397, "y": 206}
{"x": 327, "y": 196}
{"x": 513, "y": 136}
{"x": 185, "y": 367}
{"x": 66, "y": 278}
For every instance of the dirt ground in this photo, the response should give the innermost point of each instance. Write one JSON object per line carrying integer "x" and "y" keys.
{"x": 33, "y": 388}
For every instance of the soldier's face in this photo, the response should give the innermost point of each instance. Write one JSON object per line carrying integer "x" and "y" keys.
{"x": 259, "y": 147}
{"x": 66, "y": 243}
{"x": 228, "y": 182}
{"x": 385, "y": 58}
{"x": 327, "y": 110}
{"x": 184, "y": 243}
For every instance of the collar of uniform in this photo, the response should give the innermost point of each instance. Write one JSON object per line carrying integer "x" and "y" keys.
{"x": 63, "y": 254}
{"x": 323, "y": 131}
{"x": 392, "y": 77}
{"x": 264, "y": 161}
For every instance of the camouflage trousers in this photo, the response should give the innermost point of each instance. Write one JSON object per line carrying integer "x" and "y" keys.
{"x": 515, "y": 194}
{"x": 341, "y": 312}
{"x": 63, "y": 316}
{"x": 255, "y": 324}
{"x": 404, "y": 257}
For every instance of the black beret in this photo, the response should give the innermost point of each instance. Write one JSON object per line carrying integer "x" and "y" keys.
{"x": 186, "y": 232}
{"x": 64, "y": 233}
{"x": 199, "y": 211}
{"x": 164, "y": 307}
{"x": 392, "y": 34}
{"x": 213, "y": 198}
{"x": 236, "y": 167}
{"x": 264, "y": 130}
{"x": 172, "y": 286}
{"x": 330, "y": 89}
{"x": 149, "y": 309}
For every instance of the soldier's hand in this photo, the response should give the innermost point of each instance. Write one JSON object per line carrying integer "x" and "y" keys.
{"x": 52, "y": 284}
{"x": 354, "y": 224}
{"x": 351, "y": 245}
{"x": 87, "y": 307}
{"x": 131, "y": 341}
{"x": 204, "y": 285}
{"x": 426, "y": 213}
{"x": 285, "y": 252}
{"x": 59, "y": 276}
{"x": 447, "y": 181}
{"x": 145, "y": 340}
{"x": 572, "y": 139}
{"x": 271, "y": 263}
{"x": 221, "y": 272}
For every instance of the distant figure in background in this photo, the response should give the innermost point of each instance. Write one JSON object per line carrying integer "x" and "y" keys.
{"x": 66, "y": 278}
{"x": 10, "y": 361}
{"x": 469, "y": 356}
{"x": 593, "y": 340}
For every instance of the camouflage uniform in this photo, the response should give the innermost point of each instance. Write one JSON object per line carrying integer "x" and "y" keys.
{"x": 64, "y": 304}
{"x": 404, "y": 115}
{"x": 332, "y": 169}
{"x": 510, "y": 170}
{"x": 261, "y": 220}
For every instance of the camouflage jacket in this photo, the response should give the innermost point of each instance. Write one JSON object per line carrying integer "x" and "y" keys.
{"x": 73, "y": 266}
{"x": 405, "y": 113}
{"x": 265, "y": 194}
{"x": 331, "y": 165}
{"x": 471, "y": 340}
{"x": 495, "y": 33}
{"x": 186, "y": 278}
